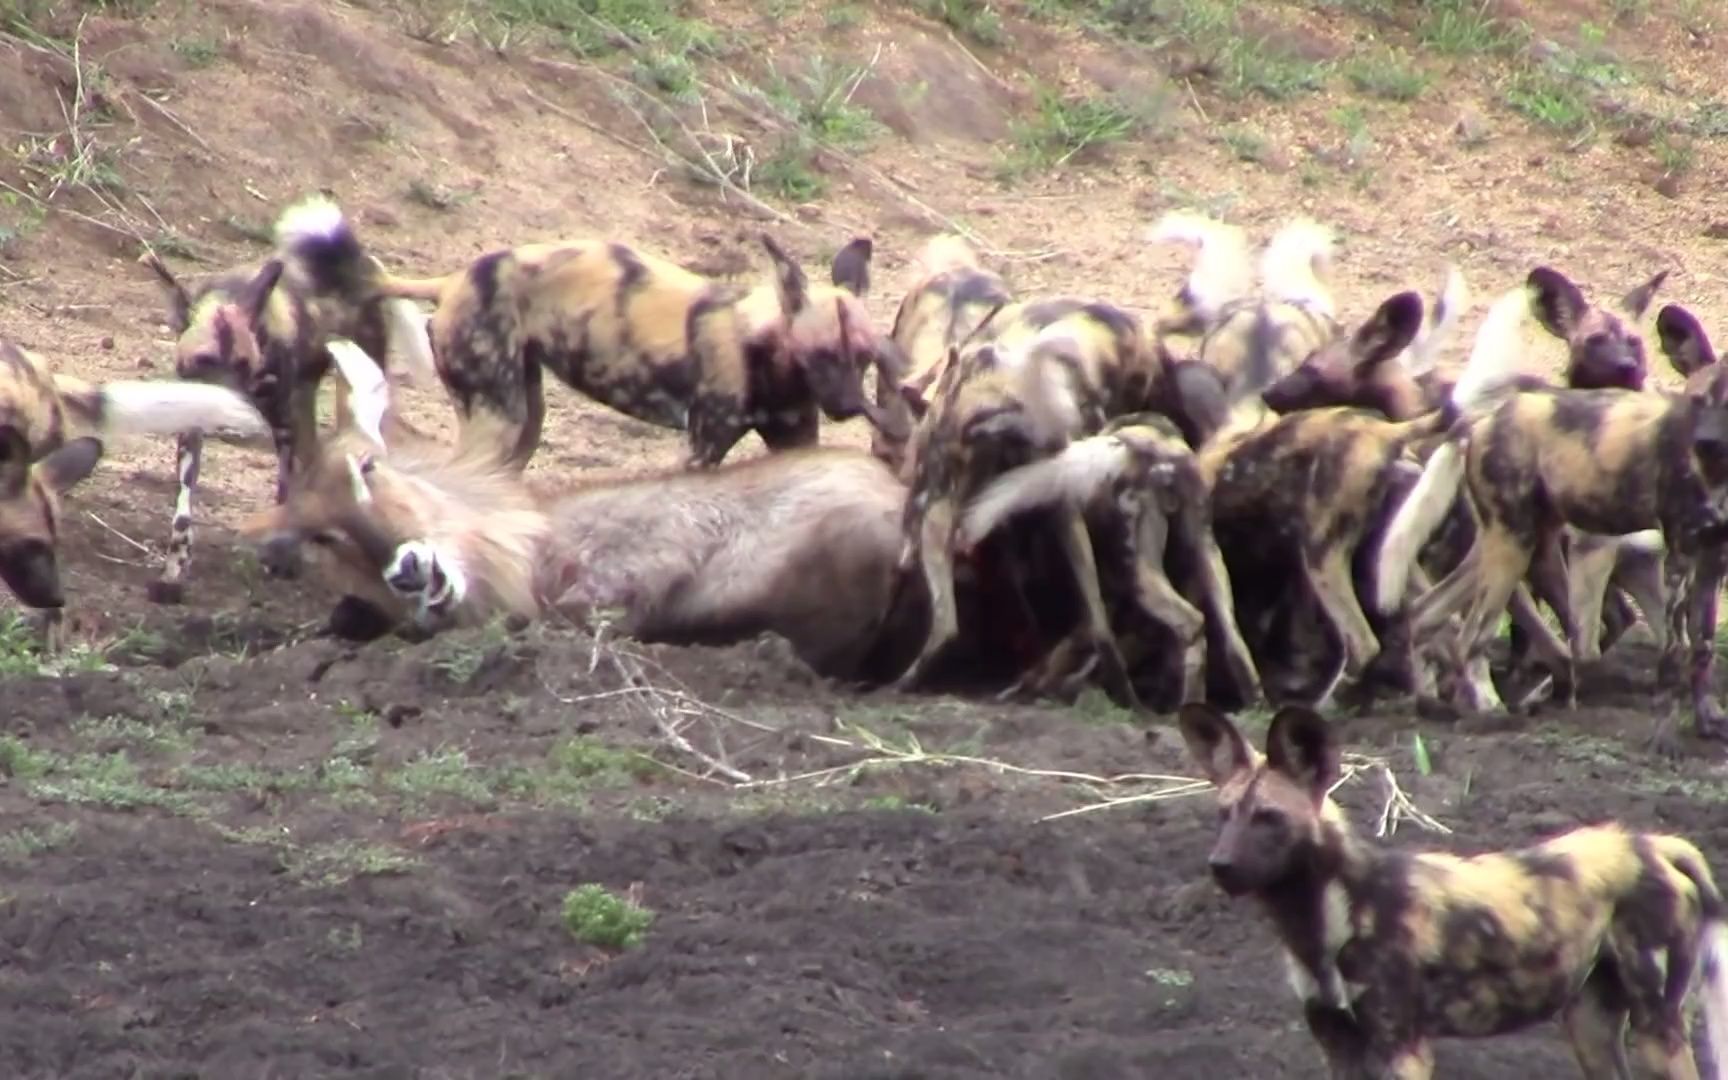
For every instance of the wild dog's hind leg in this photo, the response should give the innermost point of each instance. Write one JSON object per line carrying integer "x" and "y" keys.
{"x": 170, "y": 587}
{"x": 936, "y": 560}
{"x": 1335, "y": 589}
{"x": 1112, "y": 669}
{"x": 1161, "y": 602}
{"x": 1595, "y": 1023}
{"x": 1218, "y": 593}
{"x": 1706, "y": 596}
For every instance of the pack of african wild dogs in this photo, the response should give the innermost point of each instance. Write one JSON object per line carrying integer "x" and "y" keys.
{"x": 1246, "y": 499}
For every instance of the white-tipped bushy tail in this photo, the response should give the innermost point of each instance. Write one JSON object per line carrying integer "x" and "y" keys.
{"x": 1295, "y": 264}
{"x": 410, "y": 337}
{"x": 1448, "y": 310}
{"x": 1073, "y": 476}
{"x": 1493, "y": 364}
{"x": 944, "y": 252}
{"x": 1713, "y": 1004}
{"x": 369, "y": 391}
{"x": 315, "y": 218}
{"x": 143, "y": 407}
{"x": 1223, "y": 269}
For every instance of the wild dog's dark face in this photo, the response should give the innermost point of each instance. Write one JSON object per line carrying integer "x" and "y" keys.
{"x": 218, "y": 341}
{"x": 30, "y": 513}
{"x": 829, "y": 337}
{"x": 1361, "y": 370}
{"x": 1605, "y": 352}
{"x": 1269, "y": 808}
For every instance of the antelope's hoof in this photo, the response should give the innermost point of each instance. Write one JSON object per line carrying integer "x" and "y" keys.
{"x": 166, "y": 592}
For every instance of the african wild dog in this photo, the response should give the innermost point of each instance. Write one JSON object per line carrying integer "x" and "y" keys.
{"x": 261, "y": 330}
{"x": 655, "y": 341}
{"x": 1041, "y": 373}
{"x": 1602, "y": 351}
{"x": 1139, "y": 488}
{"x": 804, "y": 544}
{"x": 1252, "y": 339}
{"x": 1611, "y": 462}
{"x": 951, "y": 299}
{"x": 38, "y": 463}
{"x": 1601, "y": 928}
{"x": 1319, "y": 482}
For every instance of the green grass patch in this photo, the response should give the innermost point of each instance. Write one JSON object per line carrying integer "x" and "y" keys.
{"x": 819, "y": 101}
{"x": 1063, "y": 127}
{"x": 598, "y": 916}
{"x": 1466, "y": 28}
{"x": 1387, "y": 74}
{"x": 975, "y": 20}
{"x": 20, "y": 844}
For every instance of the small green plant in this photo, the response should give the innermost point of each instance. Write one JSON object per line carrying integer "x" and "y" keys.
{"x": 820, "y": 102}
{"x": 198, "y": 52}
{"x": 1248, "y": 145}
{"x": 598, "y": 916}
{"x": 436, "y": 196}
{"x": 790, "y": 172}
{"x": 1464, "y": 28}
{"x": 1552, "y": 102}
{"x": 1389, "y": 75}
{"x": 20, "y": 844}
{"x": 843, "y": 16}
{"x": 1065, "y": 127}
{"x": 975, "y": 19}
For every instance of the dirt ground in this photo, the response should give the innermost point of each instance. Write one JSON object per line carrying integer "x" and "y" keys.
{"x": 229, "y": 848}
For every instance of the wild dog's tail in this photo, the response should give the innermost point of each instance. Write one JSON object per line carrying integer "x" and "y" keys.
{"x": 1296, "y": 263}
{"x": 944, "y": 252}
{"x": 1712, "y": 984}
{"x": 161, "y": 407}
{"x": 1454, "y": 298}
{"x": 315, "y": 238}
{"x": 1072, "y": 476}
{"x": 1222, "y": 271}
{"x": 1492, "y": 365}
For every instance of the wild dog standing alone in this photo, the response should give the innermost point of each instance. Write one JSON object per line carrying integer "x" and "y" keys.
{"x": 654, "y": 341}
{"x": 804, "y": 544}
{"x": 38, "y": 463}
{"x": 262, "y": 331}
{"x": 1601, "y": 927}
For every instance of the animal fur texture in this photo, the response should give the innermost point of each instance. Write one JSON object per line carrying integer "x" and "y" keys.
{"x": 802, "y": 544}
{"x": 261, "y": 330}
{"x": 1602, "y": 928}
{"x": 39, "y": 462}
{"x": 655, "y": 341}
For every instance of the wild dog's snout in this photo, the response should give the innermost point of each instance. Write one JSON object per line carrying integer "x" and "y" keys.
{"x": 1228, "y": 873}
{"x": 32, "y": 573}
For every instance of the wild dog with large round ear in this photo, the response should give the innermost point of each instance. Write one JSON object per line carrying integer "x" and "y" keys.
{"x": 1613, "y": 932}
{"x": 1603, "y": 352}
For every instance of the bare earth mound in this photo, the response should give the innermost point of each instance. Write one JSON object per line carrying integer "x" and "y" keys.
{"x": 228, "y": 848}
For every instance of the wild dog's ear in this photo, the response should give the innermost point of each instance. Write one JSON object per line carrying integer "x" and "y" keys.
{"x": 1559, "y": 303}
{"x": 258, "y": 291}
{"x": 1387, "y": 332}
{"x": 1214, "y": 742}
{"x": 179, "y": 300}
{"x": 914, "y": 401}
{"x": 1299, "y": 744}
{"x": 71, "y": 464}
{"x": 1683, "y": 340}
{"x": 1638, "y": 300}
{"x": 851, "y": 269}
{"x": 789, "y": 279}
{"x": 14, "y": 461}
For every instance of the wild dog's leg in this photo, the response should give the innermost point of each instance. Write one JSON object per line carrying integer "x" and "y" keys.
{"x": 1640, "y": 573}
{"x": 1706, "y": 595}
{"x": 50, "y": 624}
{"x": 1659, "y": 1050}
{"x": 1551, "y": 652}
{"x": 1589, "y": 566}
{"x": 1680, "y": 573}
{"x": 715, "y": 428}
{"x": 1335, "y": 589}
{"x": 1341, "y": 1040}
{"x": 1161, "y": 602}
{"x": 936, "y": 559}
{"x": 1413, "y": 1062}
{"x": 170, "y": 588}
{"x": 1595, "y": 1024}
{"x": 1218, "y": 593}
{"x": 1077, "y": 546}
